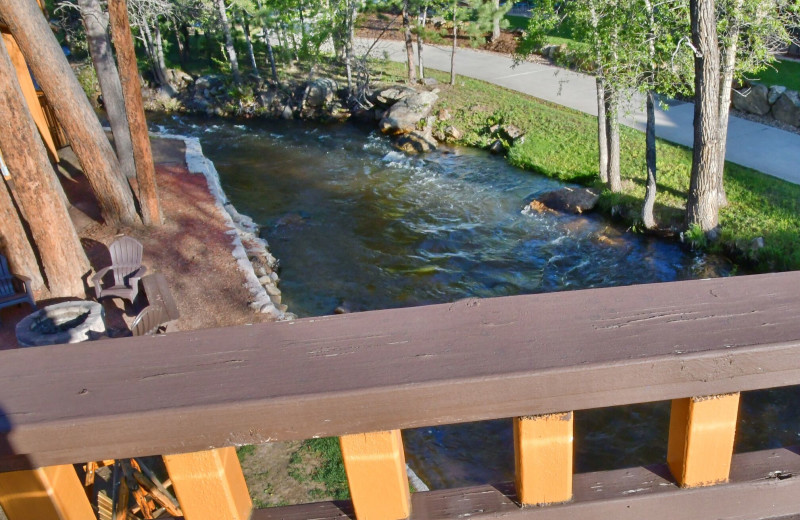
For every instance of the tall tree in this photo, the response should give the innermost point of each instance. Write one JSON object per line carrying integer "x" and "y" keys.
{"x": 72, "y": 109}
{"x": 95, "y": 22}
{"x": 412, "y": 73}
{"x": 36, "y": 190}
{"x": 229, "y": 47}
{"x": 702, "y": 206}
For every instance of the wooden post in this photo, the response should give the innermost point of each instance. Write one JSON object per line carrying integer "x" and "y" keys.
{"x": 37, "y": 191}
{"x": 52, "y": 493}
{"x": 210, "y": 485}
{"x": 376, "y": 473}
{"x": 31, "y": 98}
{"x": 14, "y": 241}
{"x": 49, "y": 65}
{"x": 701, "y": 432}
{"x": 543, "y": 458}
{"x": 132, "y": 91}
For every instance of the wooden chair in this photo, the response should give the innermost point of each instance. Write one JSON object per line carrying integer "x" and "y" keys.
{"x": 126, "y": 266}
{"x": 14, "y": 288}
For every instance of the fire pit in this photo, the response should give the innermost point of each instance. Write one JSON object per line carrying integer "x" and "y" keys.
{"x": 67, "y": 322}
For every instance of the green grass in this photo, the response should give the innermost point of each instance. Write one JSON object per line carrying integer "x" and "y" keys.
{"x": 562, "y": 143}
{"x": 784, "y": 72}
{"x": 329, "y": 472}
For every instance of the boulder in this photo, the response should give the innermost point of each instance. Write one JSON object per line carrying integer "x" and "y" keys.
{"x": 321, "y": 92}
{"x": 453, "y": 133}
{"x": 752, "y": 100}
{"x": 512, "y": 132}
{"x": 415, "y": 142}
{"x": 389, "y": 96}
{"x": 429, "y": 81}
{"x": 207, "y": 82}
{"x": 179, "y": 79}
{"x": 497, "y": 147}
{"x": 444, "y": 115}
{"x": 570, "y": 200}
{"x": 775, "y": 91}
{"x": 287, "y": 112}
{"x": 403, "y": 116}
{"x": 787, "y": 108}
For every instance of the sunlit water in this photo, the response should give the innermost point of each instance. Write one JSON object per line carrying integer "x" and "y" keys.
{"x": 361, "y": 226}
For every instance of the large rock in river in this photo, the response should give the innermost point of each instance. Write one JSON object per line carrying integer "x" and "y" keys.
{"x": 403, "y": 116}
{"x": 415, "y": 142}
{"x": 569, "y": 200}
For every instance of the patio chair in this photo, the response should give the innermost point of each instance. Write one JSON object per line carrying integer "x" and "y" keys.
{"x": 14, "y": 288}
{"x": 126, "y": 267}
{"x": 150, "y": 320}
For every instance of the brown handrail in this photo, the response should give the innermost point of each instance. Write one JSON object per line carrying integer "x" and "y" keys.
{"x": 394, "y": 369}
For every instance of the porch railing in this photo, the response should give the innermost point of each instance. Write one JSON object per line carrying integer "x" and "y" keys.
{"x": 192, "y": 396}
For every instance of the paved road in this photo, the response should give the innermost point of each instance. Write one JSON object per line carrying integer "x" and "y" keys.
{"x": 758, "y": 146}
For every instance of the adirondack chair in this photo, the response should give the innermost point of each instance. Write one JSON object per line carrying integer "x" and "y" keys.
{"x": 14, "y": 288}
{"x": 149, "y": 320}
{"x": 126, "y": 268}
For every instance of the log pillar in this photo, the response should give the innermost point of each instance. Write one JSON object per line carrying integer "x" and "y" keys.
{"x": 543, "y": 458}
{"x": 48, "y": 63}
{"x": 210, "y": 485}
{"x": 52, "y": 493}
{"x": 701, "y": 432}
{"x": 132, "y": 91}
{"x": 37, "y": 190}
{"x": 376, "y": 473}
{"x": 14, "y": 241}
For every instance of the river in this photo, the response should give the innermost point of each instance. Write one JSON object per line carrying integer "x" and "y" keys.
{"x": 359, "y": 226}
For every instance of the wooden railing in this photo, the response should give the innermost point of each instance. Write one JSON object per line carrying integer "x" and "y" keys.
{"x": 541, "y": 359}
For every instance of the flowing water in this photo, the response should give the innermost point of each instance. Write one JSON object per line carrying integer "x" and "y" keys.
{"x": 360, "y": 226}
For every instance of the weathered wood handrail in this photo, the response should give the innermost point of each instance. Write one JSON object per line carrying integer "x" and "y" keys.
{"x": 388, "y": 370}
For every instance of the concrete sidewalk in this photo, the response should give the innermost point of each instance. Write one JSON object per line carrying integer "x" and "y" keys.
{"x": 761, "y": 147}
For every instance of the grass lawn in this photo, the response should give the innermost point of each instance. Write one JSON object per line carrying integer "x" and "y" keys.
{"x": 562, "y": 143}
{"x": 784, "y": 72}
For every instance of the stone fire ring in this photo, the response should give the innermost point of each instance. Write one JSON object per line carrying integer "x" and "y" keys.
{"x": 67, "y": 322}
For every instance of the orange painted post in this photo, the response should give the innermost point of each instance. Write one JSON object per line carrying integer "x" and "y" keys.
{"x": 701, "y": 431}
{"x": 51, "y": 493}
{"x": 210, "y": 485}
{"x": 543, "y": 458}
{"x": 376, "y": 472}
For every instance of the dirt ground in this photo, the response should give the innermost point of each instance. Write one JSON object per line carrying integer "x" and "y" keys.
{"x": 194, "y": 253}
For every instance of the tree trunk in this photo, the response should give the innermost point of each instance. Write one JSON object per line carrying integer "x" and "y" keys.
{"x": 162, "y": 66}
{"x": 131, "y": 87}
{"x": 423, "y": 19}
{"x": 702, "y": 204}
{"x": 35, "y": 189}
{"x": 412, "y": 70}
{"x": 181, "y": 45}
{"x": 14, "y": 242}
{"x": 96, "y": 23}
{"x": 495, "y": 21}
{"x": 455, "y": 42}
{"x": 150, "y": 48}
{"x": 726, "y": 84}
{"x": 186, "y": 50}
{"x": 612, "y": 131}
{"x": 648, "y": 219}
{"x": 251, "y": 54}
{"x": 270, "y": 55}
{"x": 72, "y": 109}
{"x": 602, "y": 130}
{"x": 226, "y": 29}
{"x": 650, "y": 154}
